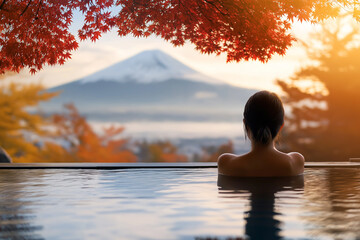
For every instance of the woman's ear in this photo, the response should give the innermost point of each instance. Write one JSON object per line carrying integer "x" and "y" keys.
{"x": 281, "y": 127}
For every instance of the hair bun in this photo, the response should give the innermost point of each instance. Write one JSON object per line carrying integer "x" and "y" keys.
{"x": 264, "y": 135}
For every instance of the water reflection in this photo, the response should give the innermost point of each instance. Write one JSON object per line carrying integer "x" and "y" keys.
{"x": 177, "y": 203}
{"x": 332, "y": 200}
{"x": 261, "y": 220}
{"x": 16, "y": 215}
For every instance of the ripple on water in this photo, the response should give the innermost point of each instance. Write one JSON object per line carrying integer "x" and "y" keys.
{"x": 177, "y": 204}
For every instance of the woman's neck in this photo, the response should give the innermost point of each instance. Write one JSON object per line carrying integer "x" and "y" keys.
{"x": 261, "y": 147}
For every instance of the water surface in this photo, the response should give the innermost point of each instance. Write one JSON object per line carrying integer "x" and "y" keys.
{"x": 177, "y": 204}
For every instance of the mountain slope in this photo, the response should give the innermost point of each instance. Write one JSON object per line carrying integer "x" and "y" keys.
{"x": 148, "y": 67}
{"x": 136, "y": 93}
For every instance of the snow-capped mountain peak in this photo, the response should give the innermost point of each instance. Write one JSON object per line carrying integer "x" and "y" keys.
{"x": 148, "y": 67}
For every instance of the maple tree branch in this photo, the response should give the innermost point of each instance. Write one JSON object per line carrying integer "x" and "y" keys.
{"x": 27, "y": 6}
{"x": 210, "y": 21}
{"x": 37, "y": 10}
{"x": 187, "y": 9}
{"x": 2, "y": 4}
{"x": 263, "y": 30}
{"x": 217, "y": 8}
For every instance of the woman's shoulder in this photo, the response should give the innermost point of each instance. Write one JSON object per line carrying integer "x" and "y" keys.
{"x": 228, "y": 162}
{"x": 297, "y": 161}
{"x": 295, "y": 156}
{"x": 225, "y": 158}
{"x": 272, "y": 164}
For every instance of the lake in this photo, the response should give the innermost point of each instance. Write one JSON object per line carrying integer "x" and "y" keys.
{"x": 153, "y": 130}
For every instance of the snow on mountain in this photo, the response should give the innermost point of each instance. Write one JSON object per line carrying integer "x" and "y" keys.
{"x": 150, "y": 85}
{"x": 148, "y": 67}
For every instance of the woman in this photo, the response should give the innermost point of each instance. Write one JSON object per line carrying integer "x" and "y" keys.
{"x": 263, "y": 119}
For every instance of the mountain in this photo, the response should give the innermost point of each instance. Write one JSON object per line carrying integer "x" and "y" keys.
{"x": 148, "y": 67}
{"x": 151, "y": 85}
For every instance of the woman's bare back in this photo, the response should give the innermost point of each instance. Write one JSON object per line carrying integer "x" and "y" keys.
{"x": 261, "y": 163}
{"x": 263, "y": 120}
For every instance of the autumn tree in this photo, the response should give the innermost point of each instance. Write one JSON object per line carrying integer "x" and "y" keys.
{"x": 324, "y": 97}
{"x": 34, "y": 33}
{"x": 18, "y": 127}
{"x": 80, "y": 143}
{"x": 159, "y": 151}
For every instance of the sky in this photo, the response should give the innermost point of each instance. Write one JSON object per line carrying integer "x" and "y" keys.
{"x": 110, "y": 49}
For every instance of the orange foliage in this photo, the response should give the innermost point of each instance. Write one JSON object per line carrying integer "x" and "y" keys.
{"x": 25, "y": 136}
{"x": 162, "y": 151}
{"x": 52, "y": 152}
{"x": 85, "y": 144}
{"x": 17, "y": 125}
{"x": 324, "y": 122}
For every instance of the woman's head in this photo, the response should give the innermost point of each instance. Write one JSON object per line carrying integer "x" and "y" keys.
{"x": 263, "y": 116}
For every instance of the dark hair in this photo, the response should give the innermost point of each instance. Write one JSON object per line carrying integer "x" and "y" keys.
{"x": 264, "y": 116}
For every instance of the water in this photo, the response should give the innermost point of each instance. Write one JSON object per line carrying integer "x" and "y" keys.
{"x": 175, "y": 129}
{"x": 177, "y": 204}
